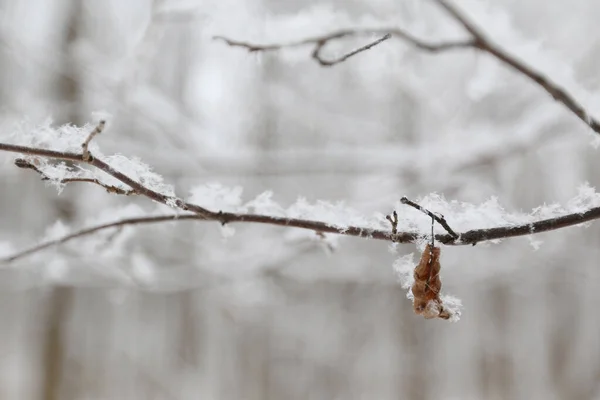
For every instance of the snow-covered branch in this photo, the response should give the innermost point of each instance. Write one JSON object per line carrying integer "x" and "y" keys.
{"x": 477, "y": 41}
{"x": 471, "y": 236}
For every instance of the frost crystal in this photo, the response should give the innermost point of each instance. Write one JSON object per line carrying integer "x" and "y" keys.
{"x": 453, "y": 305}
{"x": 138, "y": 171}
{"x": 215, "y": 196}
{"x": 264, "y": 204}
{"x": 404, "y": 266}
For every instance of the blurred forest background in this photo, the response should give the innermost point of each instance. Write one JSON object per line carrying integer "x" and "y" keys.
{"x": 270, "y": 313}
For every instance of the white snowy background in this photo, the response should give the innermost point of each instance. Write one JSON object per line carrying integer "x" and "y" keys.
{"x": 193, "y": 310}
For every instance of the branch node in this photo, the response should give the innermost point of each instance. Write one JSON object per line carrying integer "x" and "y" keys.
{"x": 222, "y": 218}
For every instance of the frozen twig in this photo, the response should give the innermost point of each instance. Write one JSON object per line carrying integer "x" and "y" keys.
{"x": 84, "y": 146}
{"x": 316, "y": 54}
{"x": 437, "y": 217}
{"x": 201, "y": 213}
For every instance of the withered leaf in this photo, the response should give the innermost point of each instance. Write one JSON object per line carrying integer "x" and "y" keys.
{"x": 427, "y": 286}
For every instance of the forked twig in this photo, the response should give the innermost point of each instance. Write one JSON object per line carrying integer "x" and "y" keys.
{"x": 95, "y": 229}
{"x": 437, "y": 217}
{"x": 84, "y": 146}
{"x": 320, "y": 41}
{"x": 22, "y": 163}
{"x": 316, "y": 54}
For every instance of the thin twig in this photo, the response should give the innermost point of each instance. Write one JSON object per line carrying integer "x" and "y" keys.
{"x": 320, "y": 41}
{"x": 92, "y": 230}
{"x": 21, "y": 163}
{"x": 86, "y": 143}
{"x": 438, "y": 218}
{"x": 316, "y": 54}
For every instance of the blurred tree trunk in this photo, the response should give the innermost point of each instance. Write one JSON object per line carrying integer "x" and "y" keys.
{"x": 61, "y": 298}
{"x": 496, "y": 363}
{"x": 59, "y": 306}
{"x": 414, "y": 352}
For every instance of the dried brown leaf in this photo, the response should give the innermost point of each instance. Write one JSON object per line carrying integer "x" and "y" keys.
{"x": 427, "y": 286}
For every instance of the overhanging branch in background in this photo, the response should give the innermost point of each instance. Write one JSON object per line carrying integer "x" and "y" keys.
{"x": 478, "y": 41}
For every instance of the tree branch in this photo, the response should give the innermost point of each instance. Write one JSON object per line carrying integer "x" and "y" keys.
{"x": 484, "y": 44}
{"x": 96, "y": 162}
{"x": 478, "y": 41}
{"x": 316, "y": 54}
{"x": 200, "y": 213}
{"x": 469, "y": 237}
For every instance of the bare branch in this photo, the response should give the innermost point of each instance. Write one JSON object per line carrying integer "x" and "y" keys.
{"x": 89, "y": 231}
{"x": 320, "y": 41}
{"x": 437, "y": 217}
{"x": 316, "y": 54}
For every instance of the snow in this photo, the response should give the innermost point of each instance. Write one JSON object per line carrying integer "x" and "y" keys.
{"x": 215, "y": 196}
{"x": 68, "y": 138}
{"x": 138, "y": 171}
